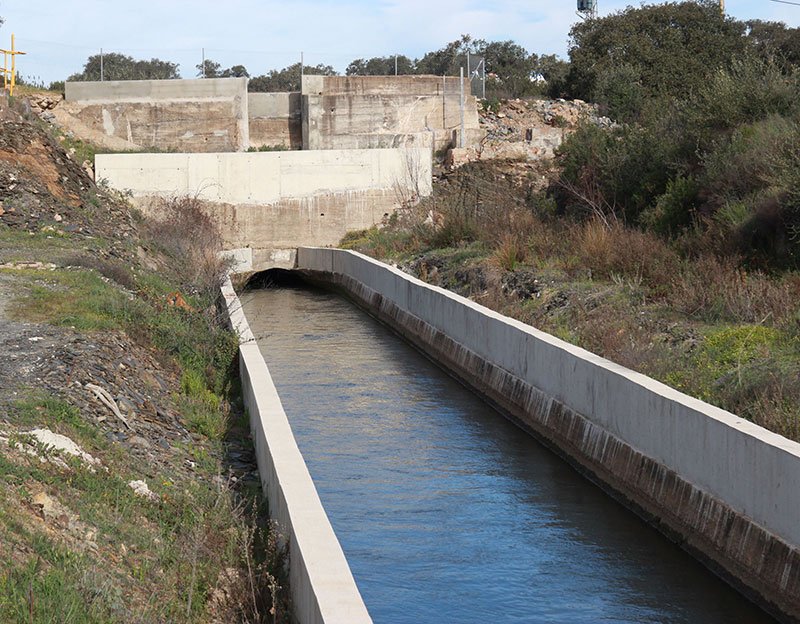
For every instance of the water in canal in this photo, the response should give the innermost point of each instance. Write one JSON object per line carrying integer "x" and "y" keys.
{"x": 448, "y": 513}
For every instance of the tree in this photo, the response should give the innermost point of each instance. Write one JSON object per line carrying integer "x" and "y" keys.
{"x": 511, "y": 68}
{"x": 448, "y": 60}
{"x": 214, "y": 70}
{"x": 774, "y": 40}
{"x": 208, "y": 69}
{"x": 122, "y": 67}
{"x": 554, "y": 72}
{"x": 237, "y": 71}
{"x": 673, "y": 47}
{"x": 380, "y": 66}
{"x": 286, "y": 79}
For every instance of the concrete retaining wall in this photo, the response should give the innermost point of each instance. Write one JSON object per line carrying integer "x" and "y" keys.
{"x": 275, "y": 120}
{"x": 726, "y": 489}
{"x": 322, "y": 587}
{"x": 209, "y": 115}
{"x": 277, "y": 200}
{"x": 356, "y": 112}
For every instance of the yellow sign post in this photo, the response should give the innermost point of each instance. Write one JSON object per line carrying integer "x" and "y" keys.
{"x": 10, "y": 75}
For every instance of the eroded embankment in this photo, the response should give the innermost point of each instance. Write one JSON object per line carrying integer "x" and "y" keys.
{"x": 723, "y": 488}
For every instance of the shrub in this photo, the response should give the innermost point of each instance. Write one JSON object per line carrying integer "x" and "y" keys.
{"x": 183, "y": 231}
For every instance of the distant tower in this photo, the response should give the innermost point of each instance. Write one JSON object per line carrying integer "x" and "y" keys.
{"x": 587, "y": 8}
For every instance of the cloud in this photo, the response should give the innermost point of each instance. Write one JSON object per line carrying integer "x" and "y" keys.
{"x": 59, "y": 36}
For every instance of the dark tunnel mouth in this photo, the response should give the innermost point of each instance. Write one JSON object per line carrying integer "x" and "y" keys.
{"x": 276, "y": 278}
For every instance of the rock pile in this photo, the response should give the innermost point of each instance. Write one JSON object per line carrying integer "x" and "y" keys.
{"x": 527, "y": 130}
{"x": 43, "y": 104}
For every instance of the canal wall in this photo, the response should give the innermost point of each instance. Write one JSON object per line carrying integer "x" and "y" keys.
{"x": 725, "y": 489}
{"x": 321, "y": 584}
{"x": 204, "y": 115}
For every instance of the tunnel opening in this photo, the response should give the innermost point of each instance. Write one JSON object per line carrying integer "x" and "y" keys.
{"x": 276, "y": 278}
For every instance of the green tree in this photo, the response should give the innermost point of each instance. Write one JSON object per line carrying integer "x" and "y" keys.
{"x": 774, "y": 40}
{"x": 554, "y": 72}
{"x": 214, "y": 70}
{"x": 236, "y": 71}
{"x": 447, "y": 60}
{"x": 673, "y": 47}
{"x": 121, "y": 67}
{"x": 208, "y": 69}
{"x": 380, "y": 66}
{"x": 287, "y": 79}
{"x": 510, "y": 69}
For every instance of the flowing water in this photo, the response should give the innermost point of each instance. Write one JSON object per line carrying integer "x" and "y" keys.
{"x": 445, "y": 510}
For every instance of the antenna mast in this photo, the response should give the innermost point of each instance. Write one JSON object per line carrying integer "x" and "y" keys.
{"x": 587, "y": 9}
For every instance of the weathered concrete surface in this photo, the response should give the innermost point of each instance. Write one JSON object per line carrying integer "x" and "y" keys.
{"x": 355, "y": 112}
{"x": 154, "y": 90}
{"x": 320, "y": 581}
{"x": 208, "y": 115}
{"x": 275, "y": 120}
{"x": 725, "y": 489}
{"x": 277, "y": 200}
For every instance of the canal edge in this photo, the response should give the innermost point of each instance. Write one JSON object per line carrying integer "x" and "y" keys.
{"x": 321, "y": 583}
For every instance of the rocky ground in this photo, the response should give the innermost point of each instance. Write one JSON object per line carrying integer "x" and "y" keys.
{"x": 101, "y": 352}
{"x": 526, "y": 130}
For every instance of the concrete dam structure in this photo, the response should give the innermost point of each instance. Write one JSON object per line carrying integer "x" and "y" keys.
{"x": 267, "y": 204}
{"x": 724, "y": 489}
{"x": 329, "y": 113}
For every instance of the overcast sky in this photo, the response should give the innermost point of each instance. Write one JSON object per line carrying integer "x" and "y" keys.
{"x": 59, "y": 35}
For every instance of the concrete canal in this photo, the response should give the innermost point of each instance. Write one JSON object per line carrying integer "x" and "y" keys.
{"x": 445, "y": 510}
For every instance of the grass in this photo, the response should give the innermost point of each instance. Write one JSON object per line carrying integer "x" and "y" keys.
{"x": 201, "y": 552}
{"x": 167, "y": 556}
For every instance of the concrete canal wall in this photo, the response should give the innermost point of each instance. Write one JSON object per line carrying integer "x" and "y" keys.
{"x": 322, "y": 587}
{"x": 727, "y": 490}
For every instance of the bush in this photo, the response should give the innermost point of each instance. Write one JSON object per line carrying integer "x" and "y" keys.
{"x": 620, "y": 92}
{"x": 189, "y": 237}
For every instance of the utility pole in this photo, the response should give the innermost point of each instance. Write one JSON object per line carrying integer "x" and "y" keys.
{"x": 302, "y": 71}
{"x": 461, "y": 106}
{"x": 395, "y": 64}
{"x": 203, "y": 61}
{"x": 102, "y": 73}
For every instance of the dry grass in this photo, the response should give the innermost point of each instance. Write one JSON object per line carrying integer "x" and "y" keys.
{"x": 719, "y": 289}
{"x": 183, "y": 231}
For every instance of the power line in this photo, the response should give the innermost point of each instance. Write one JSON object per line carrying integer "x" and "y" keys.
{"x": 786, "y": 2}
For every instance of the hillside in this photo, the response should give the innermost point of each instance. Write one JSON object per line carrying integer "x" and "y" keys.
{"x": 128, "y": 488}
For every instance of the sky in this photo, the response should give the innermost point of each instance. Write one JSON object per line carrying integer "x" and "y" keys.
{"x": 59, "y": 35}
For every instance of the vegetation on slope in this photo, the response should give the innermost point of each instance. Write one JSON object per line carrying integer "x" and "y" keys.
{"x": 112, "y": 338}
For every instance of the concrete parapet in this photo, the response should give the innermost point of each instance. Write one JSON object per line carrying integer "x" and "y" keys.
{"x": 267, "y": 177}
{"x": 154, "y": 90}
{"x": 320, "y": 581}
{"x": 727, "y": 490}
